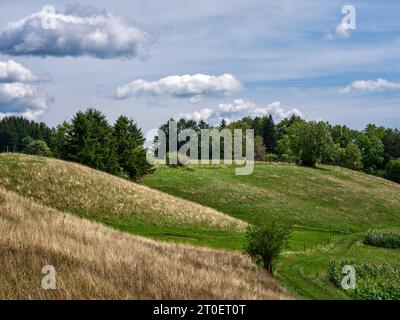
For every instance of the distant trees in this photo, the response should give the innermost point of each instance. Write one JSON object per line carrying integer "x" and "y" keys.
{"x": 372, "y": 150}
{"x": 310, "y": 142}
{"x": 269, "y": 134}
{"x": 266, "y": 240}
{"x": 118, "y": 149}
{"x": 17, "y": 132}
{"x": 90, "y": 140}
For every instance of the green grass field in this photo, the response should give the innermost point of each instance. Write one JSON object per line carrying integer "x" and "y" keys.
{"x": 331, "y": 208}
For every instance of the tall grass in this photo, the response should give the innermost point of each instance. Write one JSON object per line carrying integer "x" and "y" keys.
{"x": 102, "y": 197}
{"x": 96, "y": 262}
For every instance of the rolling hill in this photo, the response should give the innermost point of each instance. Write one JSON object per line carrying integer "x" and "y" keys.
{"x": 331, "y": 209}
{"x": 116, "y": 202}
{"x": 94, "y": 261}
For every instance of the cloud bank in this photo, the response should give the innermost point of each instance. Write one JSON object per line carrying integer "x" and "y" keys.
{"x": 371, "y": 85}
{"x": 75, "y": 33}
{"x": 238, "y": 109}
{"x": 18, "y": 97}
{"x": 195, "y": 87}
{"x": 22, "y": 99}
{"x": 11, "y": 71}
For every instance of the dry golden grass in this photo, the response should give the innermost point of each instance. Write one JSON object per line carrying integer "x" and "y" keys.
{"x": 96, "y": 262}
{"x": 93, "y": 194}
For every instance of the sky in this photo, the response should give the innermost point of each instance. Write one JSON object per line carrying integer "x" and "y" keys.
{"x": 212, "y": 60}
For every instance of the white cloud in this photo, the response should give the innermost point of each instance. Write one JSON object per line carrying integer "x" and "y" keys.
{"x": 239, "y": 109}
{"x": 341, "y": 32}
{"x": 190, "y": 86}
{"x": 370, "y": 85}
{"x": 22, "y": 99}
{"x": 76, "y": 33}
{"x": 11, "y": 71}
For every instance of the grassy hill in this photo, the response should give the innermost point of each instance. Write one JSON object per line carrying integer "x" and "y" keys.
{"x": 95, "y": 261}
{"x": 331, "y": 208}
{"x": 116, "y": 202}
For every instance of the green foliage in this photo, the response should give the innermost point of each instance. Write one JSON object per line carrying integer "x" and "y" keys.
{"x": 372, "y": 150}
{"x": 310, "y": 142}
{"x": 393, "y": 170}
{"x": 25, "y": 142}
{"x": 350, "y": 157}
{"x": 266, "y": 240}
{"x": 389, "y": 238}
{"x": 61, "y": 141}
{"x": 131, "y": 155}
{"x": 15, "y": 130}
{"x": 90, "y": 140}
{"x": 269, "y": 134}
{"x": 373, "y": 282}
{"x": 391, "y": 141}
{"x": 39, "y": 148}
{"x": 92, "y": 143}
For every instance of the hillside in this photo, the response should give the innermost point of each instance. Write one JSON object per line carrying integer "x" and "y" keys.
{"x": 116, "y": 202}
{"x": 331, "y": 208}
{"x": 96, "y": 262}
{"x": 326, "y": 197}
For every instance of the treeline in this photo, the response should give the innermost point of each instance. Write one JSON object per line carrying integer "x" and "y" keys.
{"x": 374, "y": 150}
{"x": 88, "y": 139}
{"x": 118, "y": 149}
{"x": 17, "y": 132}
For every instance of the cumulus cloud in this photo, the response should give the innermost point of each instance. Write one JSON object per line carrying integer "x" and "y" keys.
{"x": 22, "y": 99}
{"x": 341, "y": 32}
{"x": 370, "y": 85}
{"x": 77, "y": 32}
{"x": 241, "y": 108}
{"x": 186, "y": 86}
{"x": 11, "y": 71}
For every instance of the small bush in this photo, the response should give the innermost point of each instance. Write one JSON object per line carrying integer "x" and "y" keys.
{"x": 383, "y": 238}
{"x": 266, "y": 240}
{"x": 39, "y": 148}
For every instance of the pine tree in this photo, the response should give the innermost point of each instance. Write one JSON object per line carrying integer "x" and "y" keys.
{"x": 92, "y": 142}
{"x": 131, "y": 155}
{"x": 269, "y": 134}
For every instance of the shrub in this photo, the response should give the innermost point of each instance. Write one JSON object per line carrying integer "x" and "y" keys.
{"x": 271, "y": 157}
{"x": 266, "y": 240}
{"x": 383, "y": 238}
{"x": 38, "y": 147}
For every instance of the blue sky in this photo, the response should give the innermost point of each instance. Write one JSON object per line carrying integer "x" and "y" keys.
{"x": 278, "y": 51}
